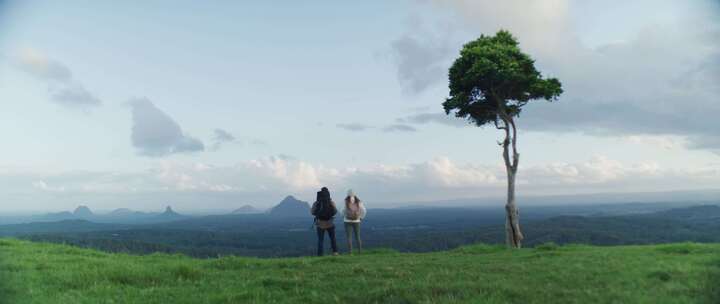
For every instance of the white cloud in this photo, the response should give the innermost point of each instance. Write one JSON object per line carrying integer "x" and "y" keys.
{"x": 665, "y": 142}
{"x": 252, "y": 176}
{"x": 597, "y": 170}
{"x": 266, "y": 180}
{"x": 281, "y": 174}
{"x": 445, "y": 173}
{"x": 41, "y": 185}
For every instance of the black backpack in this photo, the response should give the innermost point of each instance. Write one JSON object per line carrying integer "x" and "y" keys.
{"x": 324, "y": 209}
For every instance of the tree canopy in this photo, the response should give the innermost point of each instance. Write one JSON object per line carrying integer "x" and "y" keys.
{"x": 493, "y": 79}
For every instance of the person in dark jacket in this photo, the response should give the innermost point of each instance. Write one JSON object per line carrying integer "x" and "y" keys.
{"x": 324, "y": 211}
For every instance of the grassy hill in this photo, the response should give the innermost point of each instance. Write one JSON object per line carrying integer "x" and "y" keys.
{"x": 674, "y": 273}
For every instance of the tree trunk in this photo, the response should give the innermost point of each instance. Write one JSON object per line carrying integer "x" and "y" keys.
{"x": 513, "y": 235}
{"x": 512, "y": 218}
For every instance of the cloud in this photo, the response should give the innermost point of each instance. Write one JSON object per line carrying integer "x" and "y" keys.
{"x": 259, "y": 175}
{"x": 357, "y": 127}
{"x": 74, "y": 96}
{"x": 665, "y": 142}
{"x": 38, "y": 65}
{"x": 404, "y": 124}
{"x": 442, "y": 178}
{"x": 661, "y": 78}
{"x": 353, "y": 127}
{"x": 439, "y": 174}
{"x": 41, "y": 185}
{"x": 63, "y": 89}
{"x": 421, "y": 62}
{"x": 597, "y": 170}
{"x": 423, "y": 56}
{"x": 269, "y": 179}
{"x": 399, "y": 128}
{"x": 222, "y": 137}
{"x": 154, "y": 133}
{"x": 294, "y": 174}
{"x": 439, "y": 118}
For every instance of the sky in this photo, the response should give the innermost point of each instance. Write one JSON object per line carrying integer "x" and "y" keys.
{"x": 213, "y": 105}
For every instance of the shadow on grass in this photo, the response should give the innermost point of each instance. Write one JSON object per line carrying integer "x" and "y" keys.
{"x": 712, "y": 284}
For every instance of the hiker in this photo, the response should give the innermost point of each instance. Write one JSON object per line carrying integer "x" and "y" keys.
{"x": 324, "y": 211}
{"x": 353, "y": 214}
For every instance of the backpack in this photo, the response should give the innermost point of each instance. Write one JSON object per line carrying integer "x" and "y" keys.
{"x": 353, "y": 213}
{"x": 324, "y": 210}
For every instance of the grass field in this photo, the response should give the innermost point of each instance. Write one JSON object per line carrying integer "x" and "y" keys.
{"x": 674, "y": 273}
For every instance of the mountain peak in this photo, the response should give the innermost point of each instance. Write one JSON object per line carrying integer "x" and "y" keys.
{"x": 82, "y": 211}
{"x": 289, "y": 198}
{"x": 290, "y": 206}
{"x": 120, "y": 211}
{"x": 169, "y": 211}
{"x": 245, "y": 209}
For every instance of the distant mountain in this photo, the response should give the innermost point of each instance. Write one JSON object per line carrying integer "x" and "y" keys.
{"x": 170, "y": 214}
{"x": 121, "y": 215}
{"x": 246, "y": 209}
{"x": 291, "y": 207}
{"x": 83, "y": 212}
{"x": 58, "y": 216}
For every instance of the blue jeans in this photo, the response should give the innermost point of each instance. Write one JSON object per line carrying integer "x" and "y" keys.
{"x": 321, "y": 239}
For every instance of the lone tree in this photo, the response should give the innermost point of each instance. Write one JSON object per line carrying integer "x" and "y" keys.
{"x": 490, "y": 83}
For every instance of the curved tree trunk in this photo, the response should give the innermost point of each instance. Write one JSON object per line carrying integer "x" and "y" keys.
{"x": 513, "y": 235}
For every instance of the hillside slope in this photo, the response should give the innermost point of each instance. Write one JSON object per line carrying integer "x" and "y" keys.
{"x": 674, "y": 273}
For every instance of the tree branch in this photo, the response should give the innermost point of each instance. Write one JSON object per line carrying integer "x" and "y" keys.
{"x": 507, "y": 123}
{"x": 505, "y": 144}
{"x": 516, "y": 156}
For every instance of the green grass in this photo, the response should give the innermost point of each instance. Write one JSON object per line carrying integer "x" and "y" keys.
{"x": 675, "y": 273}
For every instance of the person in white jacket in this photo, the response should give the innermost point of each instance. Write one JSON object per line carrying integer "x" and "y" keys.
{"x": 353, "y": 214}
